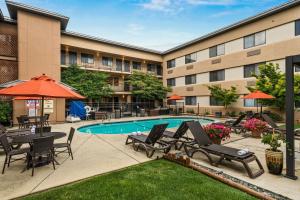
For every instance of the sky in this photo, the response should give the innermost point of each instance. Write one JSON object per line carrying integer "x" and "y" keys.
{"x": 154, "y": 24}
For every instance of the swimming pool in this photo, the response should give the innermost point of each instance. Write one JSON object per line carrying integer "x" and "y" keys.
{"x": 139, "y": 125}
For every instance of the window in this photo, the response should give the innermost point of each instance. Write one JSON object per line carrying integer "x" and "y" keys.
{"x": 87, "y": 58}
{"x": 72, "y": 58}
{"x": 190, "y": 58}
{"x": 171, "y": 63}
{"x": 217, "y": 50}
{"x": 107, "y": 61}
{"x": 255, "y": 39}
{"x": 119, "y": 64}
{"x": 250, "y": 103}
{"x": 116, "y": 81}
{"x": 126, "y": 65}
{"x": 151, "y": 67}
{"x": 218, "y": 75}
{"x": 171, "y": 82}
{"x": 63, "y": 57}
{"x": 190, "y": 79}
{"x": 136, "y": 65}
{"x": 192, "y": 100}
{"x": 297, "y": 28}
{"x": 159, "y": 70}
{"x": 214, "y": 102}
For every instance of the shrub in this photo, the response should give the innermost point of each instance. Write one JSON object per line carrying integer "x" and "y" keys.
{"x": 273, "y": 140}
{"x": 217, "y": 131}
{"x": 190, "y": 110}
{"x": 5, "y": 111}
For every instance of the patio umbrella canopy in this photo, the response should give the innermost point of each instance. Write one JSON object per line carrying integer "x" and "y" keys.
{"x": 258, "y": 95}
{"x": 41, "y": 86}
{"x": 175, "y": 97}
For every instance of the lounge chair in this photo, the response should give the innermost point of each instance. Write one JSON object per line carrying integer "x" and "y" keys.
{"x": 204, "y": 145}
{"x": 150, "y": 142}
{"x": 276, "y": 128}
{"x": 177, "y": 137}
{"x": 236, "y": 125}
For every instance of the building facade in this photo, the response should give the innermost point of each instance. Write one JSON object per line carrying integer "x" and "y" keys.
{"x": 35, "y": 41}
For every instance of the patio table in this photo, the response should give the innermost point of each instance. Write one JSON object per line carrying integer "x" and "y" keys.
{"x": 28, "y": 138}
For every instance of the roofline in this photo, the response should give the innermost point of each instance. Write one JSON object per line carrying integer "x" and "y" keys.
{"x": 246, "y": 21}
{"x": 111, "y": 42}
{"x": 11, "y": 6}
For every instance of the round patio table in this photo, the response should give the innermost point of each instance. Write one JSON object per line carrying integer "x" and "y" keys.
{"x": 28, "y": 138}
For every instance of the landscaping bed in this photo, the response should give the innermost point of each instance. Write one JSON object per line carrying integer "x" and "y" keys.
{"x": 159, "y": 179}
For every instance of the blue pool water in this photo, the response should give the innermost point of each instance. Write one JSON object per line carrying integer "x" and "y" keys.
{"x": 135, "y": 126}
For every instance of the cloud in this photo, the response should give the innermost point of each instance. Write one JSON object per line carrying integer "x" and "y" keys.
{"x": 134, "y": 29}
{"x": 211, "y": 2}
{"x": 160, "y": 5}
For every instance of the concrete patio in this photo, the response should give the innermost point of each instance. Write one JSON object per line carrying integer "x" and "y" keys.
{"x": 98, "y": 154}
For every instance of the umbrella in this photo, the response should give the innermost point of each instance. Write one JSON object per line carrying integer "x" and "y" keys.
{"x": 175, "y": 98}
{"x": 41, "y": 86}
{"x": 258, "y": 95}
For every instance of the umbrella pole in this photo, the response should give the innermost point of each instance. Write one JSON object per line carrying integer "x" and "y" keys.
{"x": 35, "y": 112}
{"x": 42, "y": 115}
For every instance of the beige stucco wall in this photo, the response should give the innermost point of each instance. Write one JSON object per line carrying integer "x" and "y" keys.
{"x": 280, "y": 33}
{"x": 39, "y": 52}
{"x": 73, "y": 41}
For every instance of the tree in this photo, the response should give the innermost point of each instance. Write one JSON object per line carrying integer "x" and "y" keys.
{"x": 147, "y": 86}
{"x": 93, "y": 85}
{"x": 226, "y": 96}
{"x": 5, "y": 111}
{"x": 271, "y": 80}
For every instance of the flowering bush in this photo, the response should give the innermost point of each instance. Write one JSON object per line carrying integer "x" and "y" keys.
{"x": 217, "y": 131}
{"x": 255, "y": 125}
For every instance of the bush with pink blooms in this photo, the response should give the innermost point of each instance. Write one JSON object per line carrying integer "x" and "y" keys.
{"x": 255, "y": 125}
{"x": 217, "y": 131}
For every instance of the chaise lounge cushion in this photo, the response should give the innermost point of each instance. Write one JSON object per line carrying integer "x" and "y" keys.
{"x": 229, "y": 151}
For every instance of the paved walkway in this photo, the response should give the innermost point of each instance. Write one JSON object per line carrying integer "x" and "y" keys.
{"x": 97, "y": 154}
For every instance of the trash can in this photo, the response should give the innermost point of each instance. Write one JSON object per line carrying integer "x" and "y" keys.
{"x": 142, "y": 112}
{"x": 117, "y": 114}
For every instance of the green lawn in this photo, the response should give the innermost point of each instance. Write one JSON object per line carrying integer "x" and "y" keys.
{"x": 295, "y": 126}
{"x": 159, "y": 179}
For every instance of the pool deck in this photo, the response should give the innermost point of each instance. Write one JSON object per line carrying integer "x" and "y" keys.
{"x": 98, "y": 154}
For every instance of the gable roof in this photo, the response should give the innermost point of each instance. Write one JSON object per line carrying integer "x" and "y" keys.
{"x": 246, "y": 21}
{"x": 13, "y": 7}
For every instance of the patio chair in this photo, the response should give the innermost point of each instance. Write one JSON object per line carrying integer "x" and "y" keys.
{"x": 66, "y": 146}
{"x": 149, "y": 142}
{"x": 9, "y": 152}
{"x": 46, "y": 119}
{"x": 204, "y": 145}
{"x": 276, "y": 128}
{"x": 23, "y": 122}
{"x": 42, "y": 151}
{"x": 176, "y": 137}
{"x": 236, "y": 124}
{"x": 13, "y": 132}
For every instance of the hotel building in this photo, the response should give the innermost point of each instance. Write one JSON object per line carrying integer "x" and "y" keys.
{"x": 35, "y": 41}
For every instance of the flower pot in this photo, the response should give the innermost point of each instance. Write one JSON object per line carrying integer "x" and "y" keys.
{"x": 274, "y": 161}
{"x": 256, "y": 133}
{"x": 216, "y": 141}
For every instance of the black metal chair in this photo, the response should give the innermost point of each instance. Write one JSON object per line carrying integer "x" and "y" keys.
{"x": 42, "y": 151}
{"x": 204, "y": 145}
{"x": 46, "y": 129}
{"x": 46, "y": 119}
{"x": 9, "y": 152}
{"x": 149, "y": 141}
{"x": 66, "y": 146}
{"x": 23, "y": 122}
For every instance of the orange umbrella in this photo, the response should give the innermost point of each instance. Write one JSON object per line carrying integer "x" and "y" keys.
{"x": 41, "y": 86}
{"x": 175, "y": 97}
{"x": 258, "y": 95}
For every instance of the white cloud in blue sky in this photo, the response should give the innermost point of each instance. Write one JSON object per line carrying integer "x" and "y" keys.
{"x": 158, "y": 24}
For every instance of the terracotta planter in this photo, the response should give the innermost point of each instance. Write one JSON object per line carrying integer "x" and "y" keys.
{"x": 274, "y": 161}
{"x": 256, "y": 134}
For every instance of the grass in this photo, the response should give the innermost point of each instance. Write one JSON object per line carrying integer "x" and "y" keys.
{"x": 295, "y": 126}
{"x": 159, "y": 179}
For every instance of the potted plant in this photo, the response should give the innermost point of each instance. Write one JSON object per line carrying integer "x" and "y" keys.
{"x": 274, "y": 157}
{"x": 256, "y": 126}
{"x": 217, "y": 132}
